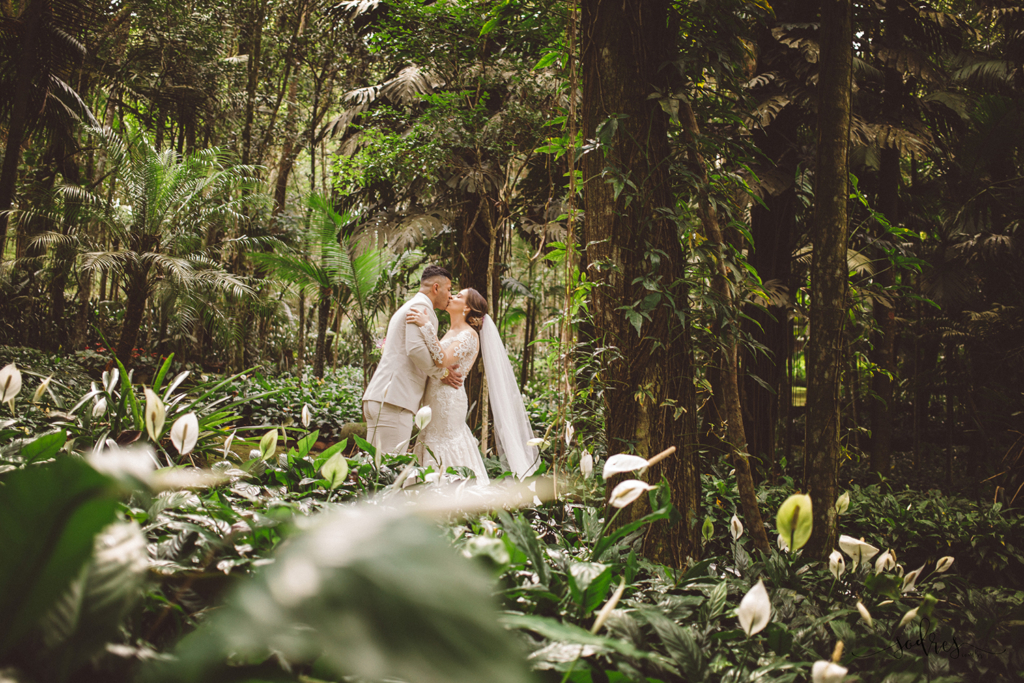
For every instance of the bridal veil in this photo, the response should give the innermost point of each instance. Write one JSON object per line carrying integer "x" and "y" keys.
{"x": 512, "y": 428}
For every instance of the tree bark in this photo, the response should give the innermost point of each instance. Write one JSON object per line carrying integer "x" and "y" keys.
{"x": 19, "y": 118}
{"x": 136, "y": 294}
{"x": 828, "y": 269}
{"x": 648, "y": 374}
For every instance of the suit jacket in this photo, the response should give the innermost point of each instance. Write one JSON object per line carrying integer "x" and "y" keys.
{"x": 405, "y": 362}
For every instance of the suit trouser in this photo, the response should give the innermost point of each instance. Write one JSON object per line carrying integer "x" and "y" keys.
{"x": 387, "y": 426}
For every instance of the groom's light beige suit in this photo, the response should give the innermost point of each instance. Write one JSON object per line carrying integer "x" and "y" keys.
{"x": 394, "y": 393}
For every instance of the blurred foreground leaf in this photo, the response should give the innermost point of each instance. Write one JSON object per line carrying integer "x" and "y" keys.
{"x": 367, "y": 591}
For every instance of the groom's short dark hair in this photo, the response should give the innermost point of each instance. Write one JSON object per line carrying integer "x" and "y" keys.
{"x": 434, "y": 271}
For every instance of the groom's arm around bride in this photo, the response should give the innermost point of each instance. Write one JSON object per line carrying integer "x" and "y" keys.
{"x": 393, "y": 395}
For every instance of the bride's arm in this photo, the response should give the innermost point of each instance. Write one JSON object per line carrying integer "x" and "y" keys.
{"x": 445, "y": 361}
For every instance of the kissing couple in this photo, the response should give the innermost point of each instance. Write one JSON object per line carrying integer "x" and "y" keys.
{"x": 418, "y": 369}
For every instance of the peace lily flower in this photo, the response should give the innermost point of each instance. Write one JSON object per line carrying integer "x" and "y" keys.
{"x": 40, "y": 389}
{"x": 537, "y": 441}
{"x": 622, "y": 462}
{"x": 99, "y": 407}
{"x": 827, "y": 672}
{"x": 423, "y": 416}
{"x": 908, "y": 617}
{"x": 836, "y": 563}
{"x": 606, "y": 610}
{"x": 707, "y": 530}
{"x": 944, "y": 564}
{"x": 858, "y": 550}
{"x": 794, "y": 520}
{"x": 10, "y": 382}
{"x": 736, "y": 527}
{"x": 569, "y": 431}
{"x": 755, "y": 609}
{"x": 911, "y": 579}
{"x": 627, "y": 491}
{"x": 885, "y": 561}
{"x": 306, "y": 415}
{"x": 864, "y": 613}
{"x": 781, "y": 542}
{"x": 155, "y": 414}
{"x": 227, "y": 444}
{"x": 587, "y": 464}
{"x": 185, "y": 433}
{"x": 843, "y": 503}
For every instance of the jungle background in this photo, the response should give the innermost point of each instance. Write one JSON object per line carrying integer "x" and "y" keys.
{"x": 779, "y": 238}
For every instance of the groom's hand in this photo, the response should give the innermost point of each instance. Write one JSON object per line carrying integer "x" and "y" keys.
{"x": 454, "y": 378}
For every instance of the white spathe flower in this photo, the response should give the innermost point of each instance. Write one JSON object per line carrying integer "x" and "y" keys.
{"x": 569, "y": 431}
{"x": 827, "y": 672}
{"x": 606, "y": 610}
{"x": 908, "y": 617}
{"x": 858, "y": 550}
{"x": 735, "y": 528}
{"x": 227, "y": 443}
{"x": 944, "y": 564}
{"x": 306, "y": 415}
{"x": 864, "y": 613}
{"x": 622, "y": 462}
{"x": 843, "y": 503}
{"x": 99, "y": 407}
{"x": 627, "y": 491}
{"x": 910, "y": 579}
{"x": 537, "y": 441}
{"x": 885, "y": 562}
{"x": 185, "y": 433}
{"x": 423, "y": 416}
{"x": 755, "y": 609}
{"x": 156, "y": 414}
{"x": 10, "y": 382}
{"x": 783, "y": 545}
{"x": 836, "y": 563}
{"x": 587, "y": 464}
{"x": 41, "y": 389}
{"x": 109, "y": 380}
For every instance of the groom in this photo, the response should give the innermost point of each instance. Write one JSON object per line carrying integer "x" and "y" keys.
{"x": 394, "y": 392}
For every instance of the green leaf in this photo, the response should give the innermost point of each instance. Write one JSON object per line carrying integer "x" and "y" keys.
{"x": 329, "y": 453}
{"x": 306, "y": 442}
{"x": 679, "y": 643}
{"x": 608, "y": 541}
{"x": 391, "y": 600}
{"x": 49, "y": 515}
{"x": 716, "y": 600}
{"x": 524, "y": 536}
{"x": 547, "y": 60}
{"x": 44, "y": 447}
{"x": 588, "y": 584}
{"x": 161, "y": 373}
{"x": 491, "y": 24}
{"x": 335, "y": 470}
{"x": 561, "y": 631}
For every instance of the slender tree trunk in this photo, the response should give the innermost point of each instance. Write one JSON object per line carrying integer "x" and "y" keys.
{"x": 259, "y": 12}
{"x": 828, "y": 269}
{"x": 19, "y": 117}
{"x": 725, "y": 330}
{"x": 648, "y": 377}
{"x": 322, "y": 313}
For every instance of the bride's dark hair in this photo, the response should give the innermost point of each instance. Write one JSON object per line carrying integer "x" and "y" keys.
{"x": 476, "y": 308}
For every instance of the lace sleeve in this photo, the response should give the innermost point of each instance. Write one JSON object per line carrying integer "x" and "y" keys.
{"x": 465, "y": 349}
{"x": 433, "y": 345}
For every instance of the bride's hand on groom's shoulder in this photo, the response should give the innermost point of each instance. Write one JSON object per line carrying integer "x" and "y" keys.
{"x": 417, "y": 316}
{"x": 453, "y": 378}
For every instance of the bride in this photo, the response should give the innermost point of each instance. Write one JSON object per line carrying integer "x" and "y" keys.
{"x": 447, "y": 441}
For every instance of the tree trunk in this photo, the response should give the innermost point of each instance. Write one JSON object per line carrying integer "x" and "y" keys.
{"x": 253, "y": 73}
{"x": 736, "y": 437}
{"x": 648, "y": 377}
{"x": 136, "y": 295}
{"x": 322, "y": 312}
{"x": 828, "y": 269}
{"x": 19, "y": 118}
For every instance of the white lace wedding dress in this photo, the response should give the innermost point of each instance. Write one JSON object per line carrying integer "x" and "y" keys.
{"x": 447, "y": 440}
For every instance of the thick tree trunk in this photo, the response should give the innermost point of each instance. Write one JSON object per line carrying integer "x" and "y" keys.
{"x": 884, "y": 342}
{"x": 648, "y": 377}
{"x": 829, "y": 269}
{"x": 136, "y": 294}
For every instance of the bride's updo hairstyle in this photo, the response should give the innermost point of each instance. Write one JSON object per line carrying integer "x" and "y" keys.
{"x": 476, "y": 308}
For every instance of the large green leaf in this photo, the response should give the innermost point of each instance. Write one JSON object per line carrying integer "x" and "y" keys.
{"x": 89, "y": 613}
{"x": 49, "y": 515}
{"x": 366, "y": 592}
